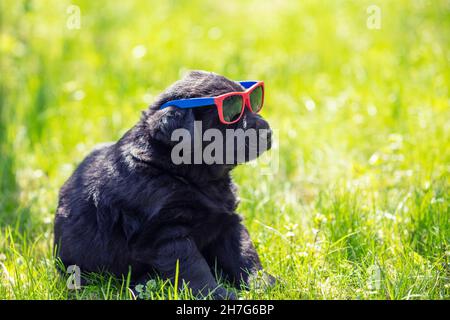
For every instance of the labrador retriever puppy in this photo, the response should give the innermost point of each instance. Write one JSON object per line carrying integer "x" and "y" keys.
{"x": 128, "y": 206}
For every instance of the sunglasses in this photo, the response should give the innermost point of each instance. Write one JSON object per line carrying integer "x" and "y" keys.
{"x": 230, "y": 106}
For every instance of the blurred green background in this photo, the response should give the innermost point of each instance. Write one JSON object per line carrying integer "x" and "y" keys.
{"x": 358, "y": 206}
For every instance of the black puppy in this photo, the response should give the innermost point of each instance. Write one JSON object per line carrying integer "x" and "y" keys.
{"x": 128, "y": 205}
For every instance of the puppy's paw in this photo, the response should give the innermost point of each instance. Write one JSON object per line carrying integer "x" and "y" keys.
{"x": 261, "y": 280}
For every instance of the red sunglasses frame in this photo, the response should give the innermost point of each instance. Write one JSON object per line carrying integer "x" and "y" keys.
{"x": 218, "y": 101}
{"x": 250, "y": 86}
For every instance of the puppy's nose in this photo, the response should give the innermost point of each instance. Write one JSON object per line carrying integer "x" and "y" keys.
{"x": 260, "y": 123}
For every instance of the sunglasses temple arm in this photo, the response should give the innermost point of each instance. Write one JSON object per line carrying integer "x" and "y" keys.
{"x": 189, "y": 103}
{"x": 247, "y": 84}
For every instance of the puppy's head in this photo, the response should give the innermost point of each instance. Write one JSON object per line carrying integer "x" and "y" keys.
{"x": 223, "y": 145}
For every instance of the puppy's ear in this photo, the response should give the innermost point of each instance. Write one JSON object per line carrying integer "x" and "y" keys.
{"x": 164, "y": 122}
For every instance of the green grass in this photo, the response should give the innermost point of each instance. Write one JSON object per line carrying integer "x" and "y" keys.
{"x": 358, "y": 207}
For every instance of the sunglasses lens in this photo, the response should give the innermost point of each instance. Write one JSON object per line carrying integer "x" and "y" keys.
{"x": 256, "y": 98}
{"x": 232, "y": 107}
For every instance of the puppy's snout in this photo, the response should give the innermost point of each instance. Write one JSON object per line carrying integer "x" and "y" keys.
{"x": 260, "y": 123}
{"x": 263, "y": 130}
{"x": 255, "y": 121}
{"x": 265, "y": 137}
{"x": 266, "y": 134}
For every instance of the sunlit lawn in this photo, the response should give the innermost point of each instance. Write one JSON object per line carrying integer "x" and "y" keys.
{"x": 357, "y": 206}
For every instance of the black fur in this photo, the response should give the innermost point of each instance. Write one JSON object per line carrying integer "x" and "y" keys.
{"x": 127, "y": 204}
